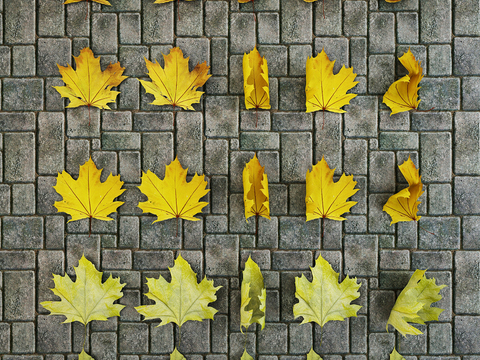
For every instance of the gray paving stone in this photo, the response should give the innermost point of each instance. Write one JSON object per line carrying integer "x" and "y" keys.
{"x": 407, "y": 28}
{"x": 465, "y": 200}
{"x": 296, "y": 234}
{"x": 465, "y": 13}
{"x": 189, "y": 141}
{"x": 216, "y": 18}
{"x": 51, "y": 146}
{"x": 361, "y": 255}
{"x": 221, "y": 116}
{"x": 52, "y": 335}
{"x": 23, "y": 199}
{"x": 382, "y": 171}
{"x": 358, "y": 56}
{"x": 221, "y": 255}
{"x": 22, "y": 94}
{"x": 432, "y": 260}
{"x": 130, "y": 32}
{"x": 436, "y": 159}
{"x": 52, "y": 51}
{"x": 133, "y": 338}
{"x": 129, "y": 94}
{"x": 5, "y": 337}
{"x": 19, "y": 158}
{"x": 23, "y": 61}
{"x": 440, "y": 339}
{"x": 268, "y": 28}
{"x": 242, "y": 33}
{"x": 379, "y": 345}
{"x": 446, "y": 230}
{"x": 296, "y": 22}
{"x": 355, "y": 18}
{"x": 466, "y": 329}
{"x": 273, "y": 339}
{"x": 292, "y": 94}
{"x": 441, "y": 93}
{"x": 383, "y": 68}
{"x": 379, "y": 221}
{"x": 19, "y": 23}
{"x": 466, "y": 282}
{"x": 131, "y": 57}
{"x": 296, "y": 161}
{"x": 467, "y": 148}
{"x": 435, "y": 21}
{"x": 19, "y": 296}
{"x": 297, "y": 59}
{"x": 328, "y": 19}
{"x": 431, "y": 121}
{"x": 464, "y": 61}
{"x": 381, "y": 33}
{"x": 157, "y": 24}
{"x": 23, "y": 338}
{"x": 219, "y": 51}
{"x": 336, "y": 49}
{"x": 440, "y": 60}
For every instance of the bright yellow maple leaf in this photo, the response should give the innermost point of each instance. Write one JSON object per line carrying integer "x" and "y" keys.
{"x": 403, "y": 206}
{"x": 88, "y": 197}
{"x": 325, "y": 299}
{"x": 325, "y": 198}
{"x": 173, "y": 84}
{"x": 180, "y": 300}
{"x": 413, "y": 304}
{"x": 255, "y": 190}
{"x": 402, "y": 95}
{"x": 88, "y": 85}
{"x": 255, "y": 81}
{"x": 173, "y": 197}
{"x": 87, "y": 298}
{"x": 254, "y": 296}
{"x": 325, "y": 91}
{"x": 312, "y": 355}
{"x": 246, "y": 355}
{"x": 395, "y": 355}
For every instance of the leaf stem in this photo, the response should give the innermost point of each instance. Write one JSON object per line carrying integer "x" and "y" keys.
{"x": 86, "y": 14}
{"x": 89, "y": 226}
{"x": 179, "y": 337}
{"x": 84, "y": 337}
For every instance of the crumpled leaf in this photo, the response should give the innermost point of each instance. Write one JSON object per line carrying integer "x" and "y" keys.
{"x": 395, "y": 355}
{"x": 413, "y": 304}
{"x": 312, "y": 355}
{"x": 255, "y": 80}
{"x": 255, "y": 190}
{"x": 173, "y": 197}
{"x": 325, "y": 198}
{"x": 88, "y": 85}
{"x": 88, "y": 197}
{"x": 180, "y": 300}
{"x": 87, "y": 298}
{"x": 403, "y": 206}
{"x": 246, "y": 355}
{"x": 324, "y": 299}
{"x": 173, "y": 84}
{"x": 402, "y": 95}
{"x": 176, "y": 355}
{"x": 325, "y": 91}
{"x": 254, "y": 296}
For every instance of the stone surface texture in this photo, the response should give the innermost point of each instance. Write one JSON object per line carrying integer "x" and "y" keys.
{"x": 39, "y": 138}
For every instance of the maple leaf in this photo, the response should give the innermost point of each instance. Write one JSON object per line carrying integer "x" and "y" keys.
{"x": 312, "y": 355}
{"x": 246, "y": 355}
{"x": 88, "y": 85}
{"x": 104, "y": 2}
{"x": 395, "y": 355}
{"x": 325, "y": 91}
{"x": 325, "y": 198}
{"x": 254, "y": 295}
{"x": 413, "y": 304}
{"x": 255, "y": 190}
{"x": 182, "y": 299}
{"x": 88, "y": 197}
{"x": 176, "y": 355}
{"x": 174, "y": 84}
{"x": 324, "y": 299}
{"x": 84, "y": 356}
{"x": 402, "y": 95}
{"x": 255, "y": 81}
{"x": 173, "y": 197}
{"x": 403, "y": 206}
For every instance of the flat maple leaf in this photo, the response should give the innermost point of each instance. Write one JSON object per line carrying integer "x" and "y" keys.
{"x": 325, "y": 91}
{"x": 312, "y": 355}
{"x": 325, "y": 198}
{"x": 88, "y": 197}
{"x": 87, "y": 298}
{"x": 324, "y": 299}
{"x": 403, "y": 206}
{"x": 180, "y": 300}
{"x": 254, "y": 295}
{"x": 174, "y": 84}
{"x": 255, "y": 81}
{"x": 255, "y": 190}
{"x": 173, "y": 197}
{"x": 402, "y": 95}
{"x": 413, "y": 304}
{"x": 88, "y": 85}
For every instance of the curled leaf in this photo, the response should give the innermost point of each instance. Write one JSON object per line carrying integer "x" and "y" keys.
{"x": 254, "y": 296}
{"x": 325, "y": 198}
{"x": 173, "y": 197}
{"x": 403, "y": 206}
{"x": 255, "y": 190}
{"x": 255, "y": 81}
{"x": 174, "y": 84}
{"x": 413, "y": 304}
{"x": 402, "y": 95}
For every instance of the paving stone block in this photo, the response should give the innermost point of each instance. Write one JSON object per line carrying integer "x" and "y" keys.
{"x": 331, "y": 331}
{"x": 129, "y": 29}
{"x": 219, "y": 50}
{"x": 297, "y": 160}
{"x": 431, "y": 121}
{"x": 356, "y": 224}
{"x": 300, "y": 338}
{"x": 466, "y": 144}
{"x": 23, "y": 199}
{"x": 51, "y": 18}
{"x": 18, "y": 295}
{"x": 129, "y": 94}
{"x": 296, "y": 22}
{"x": 238, "y": 159}
{"x": 216, "y": 224}
{"x": 83, "y": 122}
{"x": 466, "y": 330}
{"x": 168, "y": 231}
{"x": 5, "y": 337}
{"x": 131, "y": 57}
{"x": 46, "y": 195}
{"x": 407, "y": 28}
{"x": 219, "y": 185}
{"x": 273, "y": 339}
{"x": 259, "y": 141}
{"x": 221, "y": 116}
{"x": 157, "y": 23}
{"x": 292, "y": 94}
{"x": 355, "y": 18}
{"x": 336, "y": 49}
{"x": 358, "y": 57}
{"x": 296, "y": 234}
{"x": 413, "y": 345}
{"x": 161, "y": 338}
{"x": 23, "y": 60}
{"x": 237, "y": 221}
{"x": 190, "y": 21}
{"x": 76, "y": 24}
{"x": 440, "y": 339}
{"x": 22, "y": 233}
{"x": 297, "y": 59}
{"x": 22, "y": 94}
{"x": 104, "y": 345}
{"x": 381, "y": 73}
{"x": 51, "y": 146}
{"x": 133, "y": 338}
{"x": 395, "y": 259}
{"x": 398, "y": 141}
{"x": 440, "y": 199}
{"x": 447, "y": 233}
{"x": 358, "y": 334}
{"x": 242, "y": 33}
{"x": 291, "y": 260}
{"x": 361, "y": 255}
{"x": 195, "y": 337}
{"x": 379, "y": 221}
{"x": 255, "y": 120}
{"x": 217, "y": 86}
{"x": 221, "y": 255}
{"x": 268, "y": 28}
{"x": 382, "y": 171}
{"x": 150, "y": 122}
{"x": 17, "y": 260}
{"x": 436, "y": 159}
{"x": 189, "y": 141}
{"x": 328, "y": 139}
{"x": 19, "y": 23}
{"x": 440, "y": 60}
{"x": 467, "y": 287}
{"x": 355, "y": 158}
{"x": 465, "y": 198}
{"x": 361, "y": 117}
{"x": 196, "y": 49}
{"x": 23, "y": 338}
{"x": 465, "y": 18}
{"x": 399, "y": 121}
{"x": 52, "y": 335}
{"x": 432, "y": 260}
{"x": 379, "y": 345}
{"x": 441, "y": 93}
{"x": 216, "y": 18}
{"x": 381, "y": 33}
{"x": 52, "y": 51}
{"x": 465, "y": 61}
{"x": 435, "y": 21}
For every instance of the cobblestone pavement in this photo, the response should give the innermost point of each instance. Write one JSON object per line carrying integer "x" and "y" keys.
{"x": 40, "y": 138}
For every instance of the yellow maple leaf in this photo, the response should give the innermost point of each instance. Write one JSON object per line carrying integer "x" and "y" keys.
{"x": 255, "y": 190}
{"x": 165, "y": 1}
{"x": 402, "y": 95}
{"x": 88, "y": 85}
{"x": 180, "y": 300}
{"x": 254, "y": 296}
{"x": 173, "y": 197}
{"x": 325, "y": 198}
{"x": 88, "y": 197}
{"x": 104, "y": 2}
{"x": 87, "y": 298}
{"x": 413, "y": 304}
{"x": 312, "y": 355}
{"x": 173, "y": 84}
{"x": 395, "y": 355}
{"x": 403, "y": 206}
{"x": 325, "y": 299}
{"x": 255, "y": 81}
{"x": 325, "y": 91}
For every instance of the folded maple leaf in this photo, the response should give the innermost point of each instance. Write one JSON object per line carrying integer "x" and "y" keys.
{"x": 88, "y": 197}
{"x": 88, "y": 85}
{"x": 402, "y": 95}
{"x": 173, "y": 84}
{"x": 325, "y": 198}
{"x": 403, "y": 206}
{"x": 173, "y": 197}
{"x": 253, "y": 296}
{"x": 255, "y": 81}
{"x": 255, "y": 190}
{"x": 325, "y": 91}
